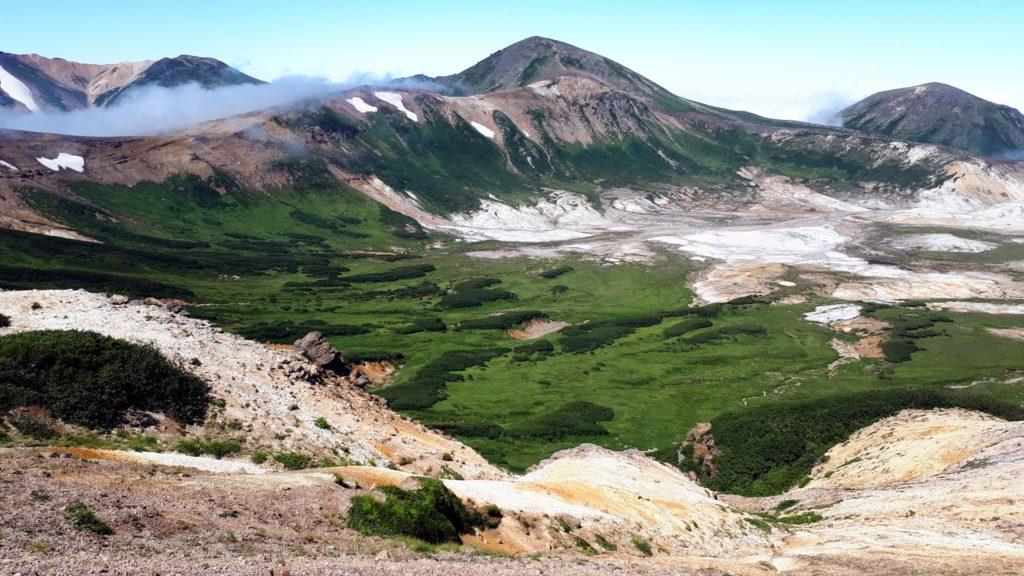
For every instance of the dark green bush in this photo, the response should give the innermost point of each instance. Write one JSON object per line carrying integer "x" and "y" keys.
{"x": 502, "y": 321}
{"x": 475, "y": 284}
{"x": 898, "y": 350}
{"x": 475, "y": 297}
{"x": 559, "y": 289}
{"x": 556, "y": 272}
{"x": 580, "y": 418}
{"x": 427, "y": 387}
{"x": 83, "y": 519}
{"x": 767, "y": 449}
{"x": 21, "y": 278}
{"x": 423, "y": 325}
{"x": 688, "y": 325}
{"x": 89, "y": 379}
{"x": 292, "y": 460}
{"x": 591, "y": 336}
{"x": 5, "y": 321}
{"x": 432, "y": 514}
{"x": 286, "y": 331}
{"x": 472, "y": 429}
{"x": 216, "y": 448}
{"x": 726, "y": 332}
{"x": 400, "y": 273}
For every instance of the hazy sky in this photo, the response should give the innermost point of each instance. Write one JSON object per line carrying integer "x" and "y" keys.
{"x": 778, "y": 58}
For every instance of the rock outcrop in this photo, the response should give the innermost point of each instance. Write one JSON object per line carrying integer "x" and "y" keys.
{"x": 698, "y": 450}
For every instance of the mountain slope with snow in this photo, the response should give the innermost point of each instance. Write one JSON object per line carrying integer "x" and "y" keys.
{"x": 30, "y": 82}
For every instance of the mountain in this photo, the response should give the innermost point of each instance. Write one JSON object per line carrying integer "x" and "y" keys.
{"x": 538, "y": 59}
{"x": 34, "y": 83}
{"x": 553, "y": 117}
{"x": 940, "y": 114}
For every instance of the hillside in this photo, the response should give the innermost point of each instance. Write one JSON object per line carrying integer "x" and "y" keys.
{"x": 141, "y": 502}
{"x": 940, "y": 114}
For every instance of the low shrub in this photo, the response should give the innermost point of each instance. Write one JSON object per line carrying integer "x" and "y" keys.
{"x": 292, "y": 460}
{"x": 475, "y": 284}
{"x": 215, "y": 448}
{"x": 88, "y": 379}
{"x": 322, "y": 423}
{"x": 725, "y": 332}
{"x": 423, "y": 325}
{"x": 556, "y": 272}
{"x": 642, "y": 545}
{"x": 432, "y": 514}
{"x": 472, "y": 429}
{"x": 5, "y": 321}
{"x": 428, "y": 386}
{"x": 898, "y": 350}
{"x": 579, "y": 418}
{"x": 83, "y": 519}
{"x": 688, "y": 325}
{"x": 286, "y": 331}
{"x": 583, "y": 338}
{"x": 400, "y": 273}
{"x": 475, "y": 297}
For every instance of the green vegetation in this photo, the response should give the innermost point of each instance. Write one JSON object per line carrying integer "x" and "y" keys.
{"x": 82, "y": 518}
{"x": 429, "y": 324}
{"x": 286, "y": 332}
{"x": 642, "y": 545}
{"x": 431, "y": 514}
{"x": 769, "y": 449}
{"x": 580, "y": 418}
{"x": 215, "y": 448}
{"x": 275, "y": 264}
{"x": 688, "y": 325}
{"x": 293, "y": 460}
{"x": 500, "y": 321}
{"x": 88, "y": 379}
{"x": 556, "y": 272}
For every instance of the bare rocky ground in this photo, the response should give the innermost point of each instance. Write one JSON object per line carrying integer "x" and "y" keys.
{"x": 919, "y": 493}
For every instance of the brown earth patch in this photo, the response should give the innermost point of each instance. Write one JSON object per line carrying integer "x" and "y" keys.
{"x": 536, "y": 329}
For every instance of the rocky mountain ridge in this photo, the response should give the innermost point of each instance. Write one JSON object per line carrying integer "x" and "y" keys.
{"x": 34, "y": 83}
{"x": 937, "y": 113}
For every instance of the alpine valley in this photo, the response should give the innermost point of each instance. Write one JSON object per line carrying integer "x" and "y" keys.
{"x": 540, "y": 314}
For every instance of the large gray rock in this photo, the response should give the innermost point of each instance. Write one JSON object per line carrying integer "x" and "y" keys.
{"x": 315, "y": 348}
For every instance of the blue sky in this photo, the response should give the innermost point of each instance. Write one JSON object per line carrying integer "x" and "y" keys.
{"x": 784, "y": 59}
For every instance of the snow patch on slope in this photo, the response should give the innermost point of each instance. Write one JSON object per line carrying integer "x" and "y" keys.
{"x": 17, "y": 90}
{"x": 8, "y": 165}
{"x": 360, "y": 105}
{"x": 64, "y": 160}
{"x": 395, "y": 100}
{"x": 483, "y": 129}
{"x": 561, "y": 216}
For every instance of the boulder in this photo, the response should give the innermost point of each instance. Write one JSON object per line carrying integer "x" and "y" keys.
{"x": 315, "y": 348}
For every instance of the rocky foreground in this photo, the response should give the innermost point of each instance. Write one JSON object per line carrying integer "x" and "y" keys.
{"x": 921, "y": 492}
